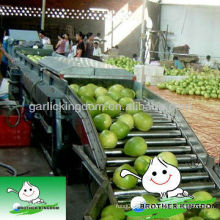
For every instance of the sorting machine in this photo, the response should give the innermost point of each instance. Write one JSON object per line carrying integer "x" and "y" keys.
{"x": 49, "y": 81}
{"x": 46, "y": 83}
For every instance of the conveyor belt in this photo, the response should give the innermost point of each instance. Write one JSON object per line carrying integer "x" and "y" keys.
{"x": 163, "y": 136}
{"x": 167, "y": 133}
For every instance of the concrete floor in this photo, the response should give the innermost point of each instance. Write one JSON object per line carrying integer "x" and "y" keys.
{"x": 32, "y": 160}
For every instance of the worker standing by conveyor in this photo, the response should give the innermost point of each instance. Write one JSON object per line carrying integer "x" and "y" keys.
{"x": 4, "y": 55}
{"x": 3, "y": 75}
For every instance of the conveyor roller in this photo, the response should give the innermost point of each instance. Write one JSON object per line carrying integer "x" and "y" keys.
{"x": 167, "y": 126}
{"x": 182, "y": 168}
{"x": 153, "y": 150}
{"x": 188, "y": 177}
{"x": 160, "y": 141}
{"x": 196, "y": 186}
{"x": 122, "y": 160}
{"x": 153, "y": 134}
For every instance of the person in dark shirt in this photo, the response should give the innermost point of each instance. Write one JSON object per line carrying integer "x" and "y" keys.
{"x": 3, "y": 66}
{"x": 80, "y": 49}
{"x": 90, "y": 45}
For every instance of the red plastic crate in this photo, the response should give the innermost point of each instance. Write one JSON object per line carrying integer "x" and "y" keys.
{"x": 17, "y": 136}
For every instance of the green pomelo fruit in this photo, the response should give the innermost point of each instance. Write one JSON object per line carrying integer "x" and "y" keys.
{"x": 115, "y": 95}
{"x": 210, "y": 214}
{"x": 128, "y": 93}
{"x": 111, "y": 108}
{"x": 109, "y": 217}
{"x": 93, "y": 109}
{"x": 100, "y": 91}
{"x": 108, "y": 139}
{"x": 102, "y": 99}
{"x": 87, "y": 99}
{"x": 133, "y": 108}
{"x": 143, "y": 121}
{"x": 92, "y": 86}
{"x": 127, "y": 119}
{"x": 102, "y": 122}
{"x": 201, "y": 196}
{"x": 75, "y": 88}
{"x": 114, "y": 211}
{"x": 135, "y": 147}
{"x": 120, "y": 129}
{"x": 127, "y": 182}
{"x": 141, "y": 164}
{"x": 124, "y": 101}
{"x": 169, "y": 158}
{"x": 116, "y": 87}
{"x": 86, "y": 91}
{"x": 147, "y": 83}
{"x": 195, "y": 218}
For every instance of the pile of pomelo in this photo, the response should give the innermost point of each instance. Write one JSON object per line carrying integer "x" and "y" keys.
{"x": 35, "y": 58}
{"x": 207, "y": 85}
{"x": 123, "y": 62}
{"x": 177, "y": 72}
{"x": 115, "y": 114}
{"x": 112, "y": 212}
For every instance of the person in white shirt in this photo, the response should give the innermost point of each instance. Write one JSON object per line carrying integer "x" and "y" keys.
{"x": 73, "y": 52}
{"x": 4, "y": 89}
{"x": 208, "y": 62}
{"x": 44, "y": 40}
{"x": 135, "y": 57}
{"x": 68, "y": 44}
{"x": 97, "y": 50}
{"x": 98, "y": 38}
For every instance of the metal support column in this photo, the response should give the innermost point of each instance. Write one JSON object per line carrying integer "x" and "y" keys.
{"x": 43, "y": 14}
{"x": 58, "y": 126}
{"x": 143, "y": 33}
{"x": 112, "y": 30}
